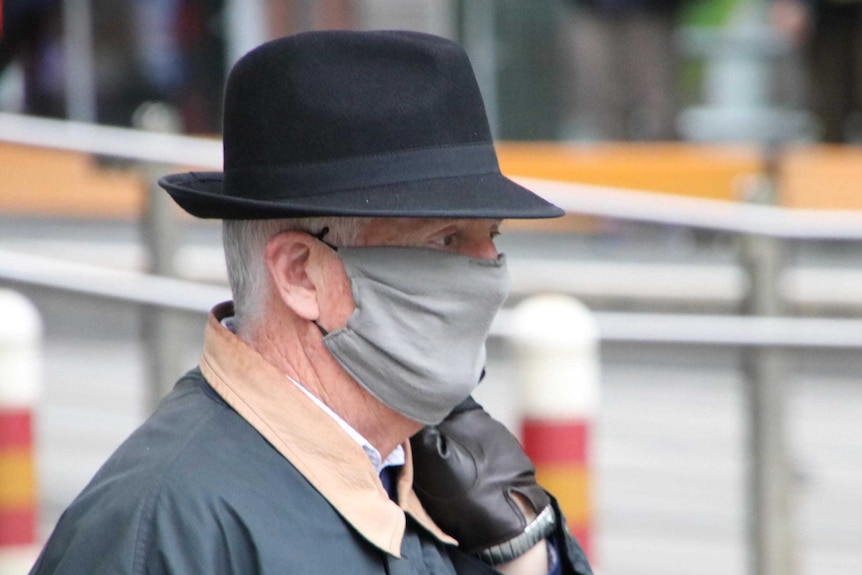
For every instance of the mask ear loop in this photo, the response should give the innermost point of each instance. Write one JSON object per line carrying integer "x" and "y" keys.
{"x": 323, "y": 331}
{"x": 322, "y": 234}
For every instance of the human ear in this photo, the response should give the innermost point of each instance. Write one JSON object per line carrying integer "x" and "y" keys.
{"x": 288, "y": 257}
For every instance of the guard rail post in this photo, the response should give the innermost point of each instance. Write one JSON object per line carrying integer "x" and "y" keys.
{"x": 770, "y": 521}
{"x": 159, "y": 326}
{"x": 556, "y": 347}
{"x": 20, "y": 336}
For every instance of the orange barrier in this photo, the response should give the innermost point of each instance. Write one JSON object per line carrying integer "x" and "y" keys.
{"x": 704, "y": 171}
{"x": 697, "y": 170}
{"x": 821, "y": 177}
{"x": 50, "y": 183}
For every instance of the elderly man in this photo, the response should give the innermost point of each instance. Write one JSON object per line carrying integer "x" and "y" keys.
{"x": 360, "y": 197}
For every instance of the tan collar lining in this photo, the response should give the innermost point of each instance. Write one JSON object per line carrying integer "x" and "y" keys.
{"x": 311, "y": 440}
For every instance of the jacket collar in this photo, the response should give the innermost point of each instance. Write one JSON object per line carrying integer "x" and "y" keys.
{"x": 310, "y": 439}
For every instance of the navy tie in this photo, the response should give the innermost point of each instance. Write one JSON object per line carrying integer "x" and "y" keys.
{"x": 389, "y": 478}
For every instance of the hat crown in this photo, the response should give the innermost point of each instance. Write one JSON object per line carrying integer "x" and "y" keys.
{"x": 326, "y": 96}
{"x": 346, "y": 123}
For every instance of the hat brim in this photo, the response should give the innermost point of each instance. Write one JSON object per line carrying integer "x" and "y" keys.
{"x": 491, "y": 195}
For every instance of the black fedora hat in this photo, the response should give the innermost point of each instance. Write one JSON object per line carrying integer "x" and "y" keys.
{"x": 341, "y": 123}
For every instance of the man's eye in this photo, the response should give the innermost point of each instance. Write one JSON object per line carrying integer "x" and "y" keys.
{"x": 444, "y": 241}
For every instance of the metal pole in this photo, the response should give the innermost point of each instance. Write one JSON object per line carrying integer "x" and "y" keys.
{"x": 771, "y": 527}
{"x": 80, "y": 65}
{"x": 159, "y": 326}
{"x": 245, "y": 27}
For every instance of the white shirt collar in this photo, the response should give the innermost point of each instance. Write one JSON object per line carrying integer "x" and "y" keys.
{"x": 397, "y": 456}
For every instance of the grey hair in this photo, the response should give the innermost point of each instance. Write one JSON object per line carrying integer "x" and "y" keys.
{"x": 244, "y": 248}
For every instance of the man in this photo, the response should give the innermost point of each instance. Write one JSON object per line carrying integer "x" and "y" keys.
{"x": 625, "y": 63}
{"x": 361, "y": 196}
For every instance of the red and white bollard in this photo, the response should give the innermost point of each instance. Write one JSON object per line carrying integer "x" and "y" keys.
{"x": 20, "y": 337}
{"x": 556, "y": 342}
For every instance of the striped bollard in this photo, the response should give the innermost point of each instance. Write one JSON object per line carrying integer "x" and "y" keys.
{"x": 20, "y": 336}
{"x": 557, "y": 351}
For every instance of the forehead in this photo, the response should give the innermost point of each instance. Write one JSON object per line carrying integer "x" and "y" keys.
{"x": 382, "y": 231}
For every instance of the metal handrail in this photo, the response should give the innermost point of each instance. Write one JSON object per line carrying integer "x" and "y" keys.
{"x": 101, "y": 282}
{"x": 197, "y": 297}
{"x": 109, "y": 141}
{"x": 737, "y": 331}
{"x": 717, "y": 215}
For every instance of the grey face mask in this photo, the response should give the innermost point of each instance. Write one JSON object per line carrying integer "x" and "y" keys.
{"x": 416, "y": 340}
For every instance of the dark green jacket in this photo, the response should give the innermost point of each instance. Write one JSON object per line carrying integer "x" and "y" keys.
{"x": 196, "y": 490}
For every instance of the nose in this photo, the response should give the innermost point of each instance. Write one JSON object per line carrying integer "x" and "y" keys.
{"x": 481, "y": 248}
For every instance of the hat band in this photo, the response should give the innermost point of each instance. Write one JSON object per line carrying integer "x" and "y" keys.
{"x": 274, "y": 183}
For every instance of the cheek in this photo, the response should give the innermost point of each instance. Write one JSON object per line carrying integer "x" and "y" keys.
{"x": 338, "y": 305}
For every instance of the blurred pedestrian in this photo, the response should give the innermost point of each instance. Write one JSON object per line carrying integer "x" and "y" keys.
{"x": 829, "y": 33}
{"x": 625, "y": 68}
{"x": 361, "y": 197}
{"x": 33, "y": 38}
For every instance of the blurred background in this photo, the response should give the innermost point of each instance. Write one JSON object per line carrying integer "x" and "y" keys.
{"x": 707, "y": 153}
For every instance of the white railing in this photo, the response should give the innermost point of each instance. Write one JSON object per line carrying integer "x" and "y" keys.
{"x": 717, "y": 215}
{"x": 100, "y": 282}
{"x": 198, "y": 297}
{"x": 124, "y": 143}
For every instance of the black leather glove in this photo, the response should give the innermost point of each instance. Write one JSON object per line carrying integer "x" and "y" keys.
{"x": 467, "y": 469}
